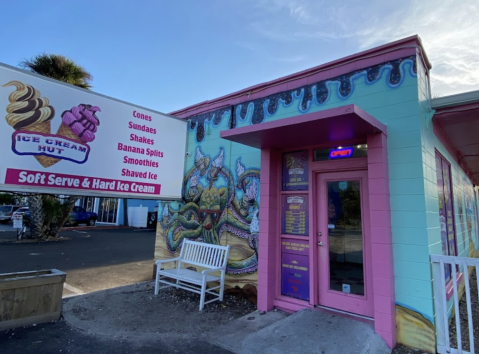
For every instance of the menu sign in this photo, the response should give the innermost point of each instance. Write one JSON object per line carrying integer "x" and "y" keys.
{"x": 295, "y": 171}
{"x": 295, "y": 275}
{"x": 295, "y": 215}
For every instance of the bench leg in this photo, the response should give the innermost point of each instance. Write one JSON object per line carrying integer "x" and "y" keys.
{"x": 222, "y": 286}
{"x": 203, "y": 293}
{"x": 157, "y": 283}
{"x": 221, "y": 292}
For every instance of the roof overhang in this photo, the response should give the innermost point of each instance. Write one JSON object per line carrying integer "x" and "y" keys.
{"x": 457, "y": 117}
{"x": 335, "y": 125}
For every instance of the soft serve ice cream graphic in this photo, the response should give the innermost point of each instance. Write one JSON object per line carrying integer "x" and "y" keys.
{"x": 30, "y": 115}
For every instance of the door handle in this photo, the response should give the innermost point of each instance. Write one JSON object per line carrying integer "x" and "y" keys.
{"x": 320, "y": 243}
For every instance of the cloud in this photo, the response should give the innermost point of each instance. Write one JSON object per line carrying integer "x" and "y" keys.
{"x": 449, "y": 31}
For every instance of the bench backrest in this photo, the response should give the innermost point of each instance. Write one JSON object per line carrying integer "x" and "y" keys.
{"x": 204, "y": 254}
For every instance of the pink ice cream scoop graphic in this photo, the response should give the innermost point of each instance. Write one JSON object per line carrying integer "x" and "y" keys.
{"x": 80, "y": 123}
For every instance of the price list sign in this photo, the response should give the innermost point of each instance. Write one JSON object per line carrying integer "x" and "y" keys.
{"x": 295, "y": 215}
{"x": 295, "y": 171}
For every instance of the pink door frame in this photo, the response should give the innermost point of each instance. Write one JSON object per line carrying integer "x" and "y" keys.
{"x": 381, "y": 238}
{"x": 360, "y": 304}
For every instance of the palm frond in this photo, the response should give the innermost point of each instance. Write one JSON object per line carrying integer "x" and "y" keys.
{"x": 60, "y": 68}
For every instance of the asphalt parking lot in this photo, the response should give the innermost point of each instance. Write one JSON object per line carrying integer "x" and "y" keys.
{"x": 93, "y": 259}
{"x": 5, "y": 227}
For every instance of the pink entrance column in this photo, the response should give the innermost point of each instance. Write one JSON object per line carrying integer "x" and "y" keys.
{"x": 381, "y": 239}
{"x": 381, "y": 236}
{"x": 268, "y": 231}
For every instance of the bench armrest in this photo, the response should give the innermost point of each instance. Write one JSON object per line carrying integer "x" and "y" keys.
{"x": 212, "y": 270}
{"x": 161, "y": 261}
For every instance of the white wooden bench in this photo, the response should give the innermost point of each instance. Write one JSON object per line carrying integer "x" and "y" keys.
{"x": 205, "y": 255}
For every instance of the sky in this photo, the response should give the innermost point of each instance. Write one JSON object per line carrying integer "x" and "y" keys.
{"x": 167, "y": 55}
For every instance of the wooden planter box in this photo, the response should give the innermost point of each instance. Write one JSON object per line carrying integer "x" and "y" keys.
{"x": 28, "y": 298}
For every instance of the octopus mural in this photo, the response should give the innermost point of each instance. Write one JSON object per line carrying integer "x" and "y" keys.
{"x": 217, "y": 203}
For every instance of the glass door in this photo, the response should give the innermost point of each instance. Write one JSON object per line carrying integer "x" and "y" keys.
{"x": 343, "y": 242}
{"x": 108, "y": 210}
{"x": 88, "y": 203}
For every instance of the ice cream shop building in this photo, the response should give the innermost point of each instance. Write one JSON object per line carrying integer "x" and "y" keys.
{"x": 334, "y": 186}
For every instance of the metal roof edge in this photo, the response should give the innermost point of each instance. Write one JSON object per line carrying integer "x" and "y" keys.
{"x": 455, "y": 100}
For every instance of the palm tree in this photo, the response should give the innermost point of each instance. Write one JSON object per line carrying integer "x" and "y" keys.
{"x": 49, "y": 212}
{"x": 60, "y": 68}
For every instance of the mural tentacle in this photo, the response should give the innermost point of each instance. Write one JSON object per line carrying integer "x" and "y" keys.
{"x": 217, "y": 204}
{"x": 179, "y": 230}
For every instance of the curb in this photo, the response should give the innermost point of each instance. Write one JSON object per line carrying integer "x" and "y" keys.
{"x": 70, "y": 228}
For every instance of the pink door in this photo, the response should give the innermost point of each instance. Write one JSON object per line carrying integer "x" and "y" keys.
{"x": 344, "y": 258}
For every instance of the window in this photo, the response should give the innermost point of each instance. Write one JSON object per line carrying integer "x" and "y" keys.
{"x": 446, "y": 209}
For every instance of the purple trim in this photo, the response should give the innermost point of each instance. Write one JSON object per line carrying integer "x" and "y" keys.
{"x": 452, "y": 222}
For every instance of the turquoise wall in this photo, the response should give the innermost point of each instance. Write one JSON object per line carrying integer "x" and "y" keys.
{"x": 389, "y": 92}
{"x": 395, "y": 93}
{"x": 464, "y": 201}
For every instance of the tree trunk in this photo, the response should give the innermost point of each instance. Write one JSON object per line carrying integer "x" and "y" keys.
{"x": 35, "y": 204}
{"x": 67, "y": 206}
{"x": 48, "y": 214}
{"x": 125, "y": 212}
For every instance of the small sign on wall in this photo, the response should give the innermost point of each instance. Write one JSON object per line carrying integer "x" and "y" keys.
{"x": 295, "y": 276}
{"x": 295, "y": 215}
{"x": 295, "y": 171}
{"x": 295, "y": 268}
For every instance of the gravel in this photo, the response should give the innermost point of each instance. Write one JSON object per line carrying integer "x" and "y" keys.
{"x": 464, "y": 321}
{"x": 134, "y": 311}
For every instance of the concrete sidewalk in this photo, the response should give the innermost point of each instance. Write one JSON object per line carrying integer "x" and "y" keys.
{"x": 131, "y": 319}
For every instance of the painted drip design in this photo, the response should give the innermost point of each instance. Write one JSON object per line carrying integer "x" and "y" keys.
{"x": 315, "y": 93}
{"x": 215, "y": 117}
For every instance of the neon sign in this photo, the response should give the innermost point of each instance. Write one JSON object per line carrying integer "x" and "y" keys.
{"x": 341, "y": 153}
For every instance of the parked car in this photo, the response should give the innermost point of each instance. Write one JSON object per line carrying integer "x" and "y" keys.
{"x": 77, "y": 216}
{"x": 6, "y": 212}
{"x": 80, "y": 216}
{"x": 21, "y": 211}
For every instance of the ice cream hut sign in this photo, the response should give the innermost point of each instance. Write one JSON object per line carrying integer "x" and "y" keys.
{"x": 57, "y": 138}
